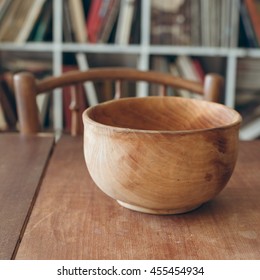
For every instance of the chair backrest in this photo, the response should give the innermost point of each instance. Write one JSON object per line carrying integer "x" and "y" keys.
{"x": 27, "y": 87}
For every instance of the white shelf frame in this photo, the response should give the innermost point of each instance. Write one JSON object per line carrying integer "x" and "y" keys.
{"x": 131, "y": 49}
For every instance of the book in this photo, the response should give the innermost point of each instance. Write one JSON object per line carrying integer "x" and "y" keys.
{"x": 12, "y": 20}
{"x": 8, "y": 104}
{"x": 189, "y": 71}
{"x": 105, "y": 90}
{"x": 249, "y": 112}
{"x": 42, "y": 25}
{"x": 176, "y": 73}
{"x": 234, "y": 23}
{"x": 77, "y": 17}
{"x": 195, "y": 26}
{"x": 33, "y": 62}
{"x": 161, "y": 64}
{"x": 68, "y": 34}
{"x": 247, "y": 98}
{"x": 205, "y": 23}
{"x": 247, "y": 28}
{"x": 186, "y": 67}
{"x": 212, "y": 26}
{"x": 225, "y": 23}
{"x": 215, "y": 23}
{"x": 110, "y": 10}
{"x": 43, "y": 104}
{"x": 124, "y": 23}
{"x": 248, "y": 105}
{"x": 4, "y": 5}
{"x": 94, "y": 20}
{"x": 89, "y": 86}
{"x": 3, "y": 123}
{"x": 253, "y": 8}
{"x": 171, "y": 22}
{"x": 197, "y": 67}
{"x": 247, "y": 77}
{"x": 29, "y": 21}
{"x": 251, "y": 130}
{"x": 135, "y": 35}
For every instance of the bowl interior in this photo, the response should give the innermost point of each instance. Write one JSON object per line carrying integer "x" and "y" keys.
{"x": 163, "y": 114}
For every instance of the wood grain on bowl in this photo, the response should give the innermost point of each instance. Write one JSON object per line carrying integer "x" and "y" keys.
{"x": 161, "y": 154}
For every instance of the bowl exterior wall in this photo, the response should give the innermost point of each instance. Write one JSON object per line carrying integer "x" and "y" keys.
{"x": 160, "y": 170}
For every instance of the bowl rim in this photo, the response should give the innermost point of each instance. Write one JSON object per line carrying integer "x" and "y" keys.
{"x": 86, "y": 118}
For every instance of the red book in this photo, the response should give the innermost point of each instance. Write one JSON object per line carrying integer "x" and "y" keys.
{"x": 94, "y": 20}
{"x": 101, "y": 18}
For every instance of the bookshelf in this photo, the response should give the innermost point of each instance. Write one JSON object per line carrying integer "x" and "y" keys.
{"x": 133, "y": 55}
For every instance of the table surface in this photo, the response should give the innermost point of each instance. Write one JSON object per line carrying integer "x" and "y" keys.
{"x": 22, "y": 163}
{"x": 73, "y": 219}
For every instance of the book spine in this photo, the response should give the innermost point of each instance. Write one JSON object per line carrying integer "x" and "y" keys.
{"x": 250, "y": 34}
{"x": 89, "y": 86}
{"x": 30, "y": 21}
{"x": 254, "y": 15}
{"x": 111, "y": 9}
{"x": 78, "y": 20}
{"x": 124, "y": 23}
{"x": 94, "y": 20}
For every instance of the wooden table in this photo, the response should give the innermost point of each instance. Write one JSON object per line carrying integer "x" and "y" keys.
{"x": 22, "y": 163}
{"x": 73, "y": 219}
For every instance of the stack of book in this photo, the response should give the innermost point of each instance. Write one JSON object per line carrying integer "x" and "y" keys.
{"x": 189, "y": 68}
{"x": 25, "y": 20}
{"x": 104, "y": 20}
{"x": 209, "y": 23}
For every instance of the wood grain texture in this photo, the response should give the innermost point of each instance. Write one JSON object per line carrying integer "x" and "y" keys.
{"x": 161, "y": 155}
{"x": 22, "y": 163}
{"x": 25, "y": 94}
{"x": 73, "y": 219}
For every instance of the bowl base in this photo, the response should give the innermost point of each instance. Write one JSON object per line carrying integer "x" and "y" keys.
{"x": 158, "y": 211}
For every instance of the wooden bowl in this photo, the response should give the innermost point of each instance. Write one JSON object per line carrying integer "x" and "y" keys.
{"x": 161, "y": 155}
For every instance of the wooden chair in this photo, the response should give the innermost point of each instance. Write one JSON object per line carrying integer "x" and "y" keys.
{"x": 27, "y": 88}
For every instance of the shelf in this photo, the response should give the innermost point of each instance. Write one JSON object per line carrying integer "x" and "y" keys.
{"x": 136, "y": 55}
{"x": 134, "y": 49}
{"x": 32, "y": 47}
{"x": 100, "y": 48}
